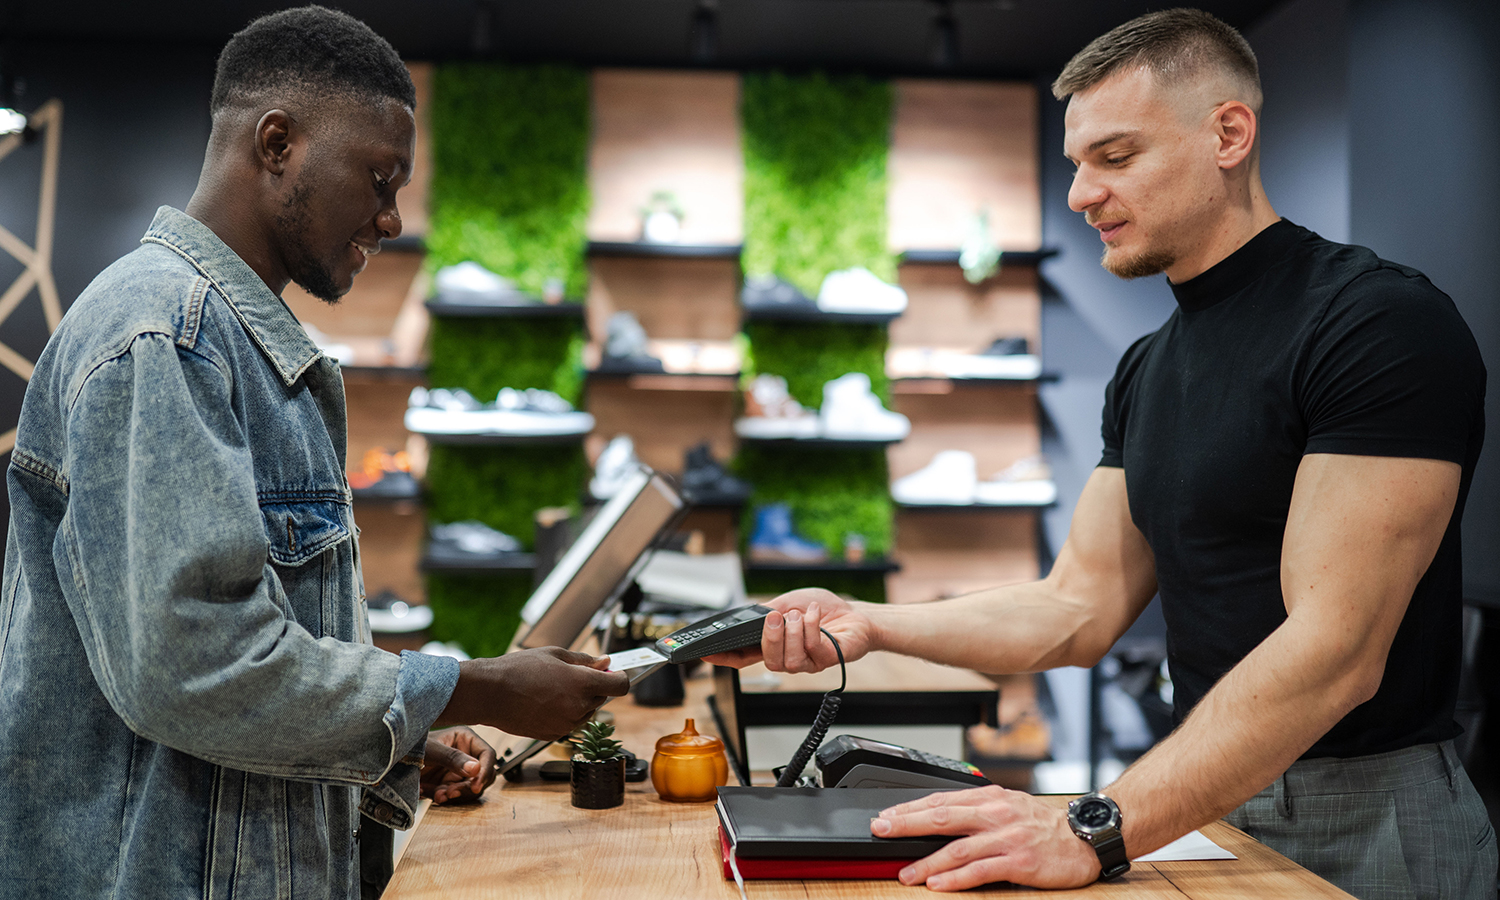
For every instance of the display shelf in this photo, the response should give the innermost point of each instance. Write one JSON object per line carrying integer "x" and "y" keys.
{"x": 648, "y": 250}
{"x": 538, "y": 310}
{"x": 804, "y": 314}
{"x": 819, "y": 443}
{"x": 878, "y": 565}
{"x": 502, "y": 440}
{"x": 950, "y": 257}
{"x": 500, "y": 562}
{"x": 974, "y": 507}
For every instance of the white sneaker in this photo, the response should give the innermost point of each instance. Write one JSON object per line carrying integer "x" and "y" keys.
{"x": 771, "y": 413}
{"x": 470, "y": 283}
{"x": 528, "y": 413}
{"x": 857, "y": 290}
{"x": 949, "y": 479}
{"x": 1026, "y": 482}
{"x": 852, "y": 412}
{"x": 615, "y": 466}
{"x": 1021, "y": 366}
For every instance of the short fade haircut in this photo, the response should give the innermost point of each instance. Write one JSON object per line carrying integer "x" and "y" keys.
{"x": 1175, "y": 45}
{"x": 309, "y": 50}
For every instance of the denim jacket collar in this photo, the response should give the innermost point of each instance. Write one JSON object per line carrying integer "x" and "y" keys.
{"x": 266, "y": 318}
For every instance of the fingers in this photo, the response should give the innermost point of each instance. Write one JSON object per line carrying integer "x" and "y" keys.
{"x": 963, "y": 864}
{"x": 773, "y": 640}
{"x": 970, "y": 797}
{"x": 451, "y": 759}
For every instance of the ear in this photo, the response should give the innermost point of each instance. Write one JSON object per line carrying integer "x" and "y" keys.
{"x": 273, "y": 135}
{"x": 1236, "y": 127}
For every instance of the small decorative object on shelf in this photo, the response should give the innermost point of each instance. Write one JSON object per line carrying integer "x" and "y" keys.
{"x": 661, "y": 219}
{"x": 689, "y": 767}
{"x": 598, "y": 777}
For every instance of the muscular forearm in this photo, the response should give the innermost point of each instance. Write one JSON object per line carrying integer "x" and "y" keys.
{"x": 1016, "y": 628}
{"x": 1246, "y": 731}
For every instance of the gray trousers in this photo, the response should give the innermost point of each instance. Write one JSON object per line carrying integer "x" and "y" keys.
{"x": 1393, "y": 826}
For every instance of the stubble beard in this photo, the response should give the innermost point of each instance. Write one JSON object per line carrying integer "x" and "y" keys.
{"x": 314, "y": 275}
{"x": 1141, "y": 265}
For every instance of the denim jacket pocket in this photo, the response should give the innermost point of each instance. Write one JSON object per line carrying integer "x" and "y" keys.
{"x": 300, "y": 529}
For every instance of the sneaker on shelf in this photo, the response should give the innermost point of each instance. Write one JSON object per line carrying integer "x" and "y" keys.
{"x": 617, "y": 463}
{"x": 389, "y": 614}
{"x": 531, "y": 413}
{"x": 470, "y": 284}
{"x": 770, "y": 412}
{"x": 1005, "y": 357}
{"x": 706, "y": 482}
{"x": 858, "y": 290}
{"x": 438, "y": 648}
{"x": 775, "y": 540}
{"x": 950, "y": 479}
{"x": 767, "y": 292}
{"x": 384, "y": 475}
{"x": 469, "y": 540}
{"x": 625, "y": 346}
{"x": 1026, "y": 482}
{"x": 852, "y": 412}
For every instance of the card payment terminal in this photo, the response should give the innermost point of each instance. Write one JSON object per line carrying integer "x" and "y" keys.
{"x": 856, "y": 762}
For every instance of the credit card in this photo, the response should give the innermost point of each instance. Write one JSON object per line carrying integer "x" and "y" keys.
{"x": 634, "y": 659}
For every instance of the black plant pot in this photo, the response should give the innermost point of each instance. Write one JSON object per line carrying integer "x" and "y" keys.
{"x": 598, "y": 785}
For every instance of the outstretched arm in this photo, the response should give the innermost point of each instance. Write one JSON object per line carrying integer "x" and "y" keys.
{"x": 1104, "y": 576}
{"x": 1360, "y": 534}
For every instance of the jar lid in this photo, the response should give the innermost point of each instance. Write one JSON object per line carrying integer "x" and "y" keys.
{"x": 689, "y": 742}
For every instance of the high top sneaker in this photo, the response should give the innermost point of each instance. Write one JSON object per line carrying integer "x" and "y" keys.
{"x": 774, "y": 540}
{"x": 852, "y": 412}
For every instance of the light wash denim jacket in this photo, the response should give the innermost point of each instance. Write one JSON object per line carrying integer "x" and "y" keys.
{"x": 189, "y": 703}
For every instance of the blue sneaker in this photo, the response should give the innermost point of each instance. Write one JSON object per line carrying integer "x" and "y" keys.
{"x": 774, "y": 540}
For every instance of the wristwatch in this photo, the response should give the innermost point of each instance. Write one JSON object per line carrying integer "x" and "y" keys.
{"x": 1096, "y": 818}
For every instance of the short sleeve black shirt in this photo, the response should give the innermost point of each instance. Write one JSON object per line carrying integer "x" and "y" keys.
{"x": 1293, "y": 345}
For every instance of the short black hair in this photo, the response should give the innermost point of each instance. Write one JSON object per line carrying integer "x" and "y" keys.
{"x": 310, "y": 49}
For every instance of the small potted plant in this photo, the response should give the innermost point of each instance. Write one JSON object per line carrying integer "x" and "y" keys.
{"x": 598, "y": 767}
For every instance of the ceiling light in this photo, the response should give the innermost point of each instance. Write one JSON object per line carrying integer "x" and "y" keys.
{"x": 944, "y": 44}
{"x": 703, "y": 36}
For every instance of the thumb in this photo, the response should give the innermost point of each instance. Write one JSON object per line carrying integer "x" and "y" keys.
{"x": 451, "y": 758}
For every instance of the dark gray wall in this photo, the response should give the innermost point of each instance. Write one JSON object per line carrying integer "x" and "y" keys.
{"x": 1424, "y": 113}
{"x": 135, "y": 122}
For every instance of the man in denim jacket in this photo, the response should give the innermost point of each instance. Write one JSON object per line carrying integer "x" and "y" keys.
{"x": 191, "y": 704}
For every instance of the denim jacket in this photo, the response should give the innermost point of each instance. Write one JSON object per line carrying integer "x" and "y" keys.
{"x": 189, "y": 702}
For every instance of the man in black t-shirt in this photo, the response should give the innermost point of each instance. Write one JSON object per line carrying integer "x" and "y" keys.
{"x": 1286, "y": 463}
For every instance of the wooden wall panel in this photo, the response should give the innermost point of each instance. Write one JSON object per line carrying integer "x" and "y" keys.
{"x": 949, "y": 552}
{"x": 674, "y": 299}
{"x": 390, "y": 548}
{"x": 946, "y": 311}
{"x": 958, "y": 146}
{"x": 662, "y": 423}
{"x": 677, "y": 131}
{"x": 412, "y": 200}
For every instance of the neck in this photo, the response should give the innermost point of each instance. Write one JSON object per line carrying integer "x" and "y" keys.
{"x": 1247, "y": 214}
{"x": 235, "y": 220}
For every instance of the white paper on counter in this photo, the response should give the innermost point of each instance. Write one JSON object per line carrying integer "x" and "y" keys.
{"x": 1192, "y": 845}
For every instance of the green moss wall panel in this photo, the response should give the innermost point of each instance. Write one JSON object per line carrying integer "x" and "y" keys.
{"x": 502, "y": 487}
{"x": 809, "y": 355}
{"x": 510, "y": 172}
{"x": 484, "y": 355}
{"x": 832, "y": 493}
{"x": 815, "y": 175}
{"x": 480, "y": 613}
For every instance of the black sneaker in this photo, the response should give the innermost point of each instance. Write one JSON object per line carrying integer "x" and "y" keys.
{"x": 707, "y": 483}
{"x": 625, "y": 347}
{"x": 1006, "y": 346}
{"x": 770, "y": 292}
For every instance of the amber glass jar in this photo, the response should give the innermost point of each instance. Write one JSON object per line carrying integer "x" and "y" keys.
{"x": 689, "y": 766}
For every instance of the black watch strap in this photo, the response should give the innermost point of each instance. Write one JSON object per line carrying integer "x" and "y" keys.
{"x": 1112, "y": 859}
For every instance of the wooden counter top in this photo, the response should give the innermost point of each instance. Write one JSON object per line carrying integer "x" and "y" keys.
{"x": 525, "y": 840}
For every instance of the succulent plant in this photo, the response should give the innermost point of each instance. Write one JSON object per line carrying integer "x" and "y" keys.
{"x": 593, "y": 742}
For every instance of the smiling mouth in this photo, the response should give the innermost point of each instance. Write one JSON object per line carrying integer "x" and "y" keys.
{"x": 1108, "y": 231}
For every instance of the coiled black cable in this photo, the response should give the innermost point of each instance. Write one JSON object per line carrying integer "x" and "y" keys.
{"x": 827, "y": 712}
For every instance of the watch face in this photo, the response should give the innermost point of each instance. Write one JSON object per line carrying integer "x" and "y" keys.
{"x": 1093, "y": 814}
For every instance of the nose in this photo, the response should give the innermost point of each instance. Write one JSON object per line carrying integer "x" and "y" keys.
{"x": 1085, "y": 192}
{"x": 388, "y": 222}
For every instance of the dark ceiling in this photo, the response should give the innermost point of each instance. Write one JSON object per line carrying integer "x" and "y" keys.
{"x": 1015, "y": 38}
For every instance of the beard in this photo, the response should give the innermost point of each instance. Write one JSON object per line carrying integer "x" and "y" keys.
{"x": 1141, "y": 265}
{"x": 295, "y": 221}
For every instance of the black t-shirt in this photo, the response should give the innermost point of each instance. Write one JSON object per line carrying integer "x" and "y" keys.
{"x": 1293, "y": 345}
